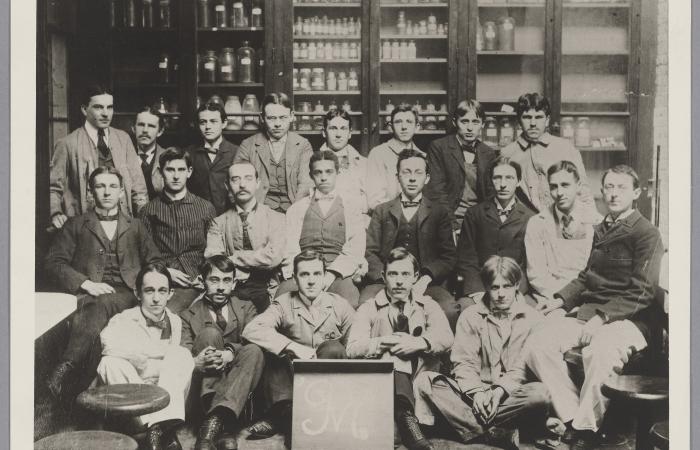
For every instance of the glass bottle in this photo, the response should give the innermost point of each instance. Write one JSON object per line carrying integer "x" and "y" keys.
{"x": 353, "y": 80}
{"x": 209, "y": 67}
{"x": 336, "y": 50}
{"x": 256, "y": 14}
{"x": 333, "y": 106}
{"x": 164, "y": 14}
{"x": 233, "y": 108}
{"x": 403, "y": 50}
{"x": 432, "y": 24}
{"x": 323, "y": 29}
{"x": 204, "y": 14}
{"x": 306, "y": 27}
{"x": 389, "y": 108}
{"x": 567, "y": 128}
{"x": 506, "y": 34}
{"x": 238, "y": 15}
{"x": 216, "y": 99}
{"x": 491, "y": 132}
{"x": 409, "y": 28}
{"x": 344, "y": 28}
{"x": 227, "y": 66}
{"x": 344, "y": 51}
{"x": 506, "y": 133}
{"x": 304, "y": 123}
{"x": 331, "y": 82}
{"x": 304, "y": 51}
{"x": 401, "y": 23}
{"x": 441, "y": 29}
{"x": 252, "y": 108}
{"x": 412, "y": 52}
{"x": 318, "y": 79}
{"x": 386, "y": 50}
{"x": 318, "y": 117}
{"x": 422, "y": 27}
{"x": 430, "y": 121}
{"x": 162, "y": 107}
{"x": 298, "y": 26}
{"x": 295, "y": 79}
{"x": 305, "y": 79}
{"x": 244, "y": 59}
{"x": 130, "y": 13}
{"x": 320, "y": 50}
{"x": 583, "y": 132}
{"x": 312, "y": 50}
{"x": 260, "y": 72}
{"x": 490, "y": 40}
{"x": 342, "y": 82}
{"x": 479, "y": 36}
{"x": 295, "y": 51}
{"x": 354, "y": 54}
{"x": 395, "y": 50}
{"x": 115, "y": 19}
{"x": 147, "y": 13}
{"x": 164, "y": 69}
{"x": 442, "y": 118}
{"x": 328, "y": 50}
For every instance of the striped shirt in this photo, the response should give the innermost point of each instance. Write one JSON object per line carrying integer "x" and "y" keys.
{"x": 179, "y": 229}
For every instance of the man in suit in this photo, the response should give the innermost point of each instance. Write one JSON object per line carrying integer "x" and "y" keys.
{"x": 142, "y": 345}
{"x": 93, "y": 145}
{"x": 148, "y": 127}
{"x": 304, "y": 324}
{"x": 280, "y": 156}
{"x": 96, "y": 255}
{"x": 493, "y": 227}
{"x": 251, "y": 235}
{"x": 212, "y": 158}
{"x": 615, "y": 312}
{"x": 459, "y": 163}
{"x": 419, "y": 225}
{"x": 226, "y": 370}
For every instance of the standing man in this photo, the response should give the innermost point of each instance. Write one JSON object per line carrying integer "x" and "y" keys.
{"x": 96, "y": 255}
{"x": 304, "y": 324}
{"x": 459, "y": 163}
{"x": 178, "y": 221}
{"x": 558, "y": 240}
{"x": 142, "y": 345}
{"x": 280, "y": 156}
{"x": 93, "y": 145}
{"x": 419, "y": 225}
{"x": 382, "y": 184}
{"x": 212, "y": 158}
{"x": 406, "y": 327}
{"x": 226, "y": 370}
{"x": 616, "y": 314}
{"x": 493, "y": 227}
{"x": 251, "y": 235}
{"x": 330, "y": 224}
{"x": 536, "y": 150}
{"x": 148, "y": 127}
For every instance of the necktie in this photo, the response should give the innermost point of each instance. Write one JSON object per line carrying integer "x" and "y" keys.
{"x": 101, "y": 144}
{"x": 409, "y": 204}
{"x": 503, "y": 214}
{"x": 111, "y": 218}
{"x": 325, "y": 197}
{"x": 401, "y": 324}
{"x": 568, "y": 229}
{"x": 247, "y": 245}
{"x": 220, "y": 319}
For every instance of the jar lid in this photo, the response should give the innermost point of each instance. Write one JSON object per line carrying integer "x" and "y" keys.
{"x": 505, "y": 19}
{"x": 305, "y": 70}
{"x": 317, "y": 70}
{"x": 227, "y": 50}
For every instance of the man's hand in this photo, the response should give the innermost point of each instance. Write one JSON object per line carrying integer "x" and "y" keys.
{"x": 492, "y": 407}
{"x": 388, "y": 342}
{"x": 222, "y": 358}
{"x": 589, "y": 329}
{"x": 299, "y": 351}
{"x": 479, "y": 405}
{"x": 548, "y": 305}
{"x": 421, "y": 285}
{"x": 96, "y": 289}
{"x": 180, "y": 278}
{"x": 409, "y": 345}
{"x": 328, "y": 279}
{"x": 58, "y": 220}
{"x": 204, "y": 360}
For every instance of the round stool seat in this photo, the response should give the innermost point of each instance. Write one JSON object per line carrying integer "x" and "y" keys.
{"x": 124, "y": 399}
{"x": 636, "y": 387}
{"x": 86, "y": 440}
{"x": 659, "y": 435}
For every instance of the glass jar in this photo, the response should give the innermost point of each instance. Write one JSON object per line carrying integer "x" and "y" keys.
{"x": 506, "y": 34}
{"x": 260, "y": 72}
{"x": 298, "y": 26}
{"x": 344, "y": 51}
{"x": 320, "y": 50}
{"x": 432, "y": 24}
{"x": 354, "y": 53}
{"x": 251, "y": 107}
{"x": 115, "y": 19}
{"x": 220, "y": 15}
{"x": 479, "y": 36}
{"x": 245, "y": 56}
{"x": 216, "y": 99}
{"x": 318, "y": 116}
{"x": 403, "y": 50}
{"x": 412, "y": 52}
{"x": 164, "y": 69}
{"x": 567, "y": 130}
{"x": 422, "y": 27}
{"x": 295, "y": 51}
{"x": 305, "y": 79}
{"x": 336, "y": 50}
{"x": 353, "y": 81}
{"x": 256, "y": 14}
{"x": 304, "y": 122}
{"x": 233, "y": 109}
{"x": 401, "y": 23}
{"x": 386, "y": 50}
{"x": 409, "y": 28}
{"x": 331, "y": 82}
{"x": 328, "y": 51}
{"x": 345, "y": 28}
{"x": 430, "y": 120}
{"x": 209, "y": 61}
{"x": 161, "y": 106}
{"x": 318, "y": 79}
{"x": 147, "y": 14}
{"x": 227, "y": 66}
{"x": 506, "y": 135}
{"x": 441, "y": 29}
{"x": 491, "y": 132}
{"x": 304, "y": 51}
{"x": 342, "y": 82}
{"x": 130, "y": 14}
{"x": 306, "y": 27}
{"x": 238, "y": 18}
{"x": 583, "y": 132}
{"x": 323, "y": 26}
{"x": 490, "y": 41}
{"x": 388, "y": 110}
{"x": 395, "y": 50}
{"x": 164, "y": 14}
{"x": 204, "y": 14}
{"x": 312, "y": 50}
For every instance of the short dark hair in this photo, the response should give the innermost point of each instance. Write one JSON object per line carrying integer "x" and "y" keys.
{"x": 399, "y": 254}
{"x": 337, "y": 112}
{"x": 172, "y": 154}
{"x": 404, "y": 107}
{"x": 623, "y": 169}
{"x": 153, "y": 267}
{"x": 276, "y": 98}
{"x": 93, "y": 90}
{"x": 506, "y": 161}
{"x": 465, "y": 106}
{"x": 535, "y": 101}
{"x": 411, "y": 153}
{"x": 324, "y": 155}
{"x": 221, "y": 262}
{"x": 102, "y": 170}
{"x": 153, "y": 110}
{"x": 500, "y": 265}
{"x": 566, "y": 166}
{"x": 308, "y": 255}
{"x": 243, "y": 163}
{"x": 213, "y": 106}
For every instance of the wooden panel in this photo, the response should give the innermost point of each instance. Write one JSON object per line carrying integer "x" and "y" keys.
{"x": 371, "y": 39}
{"x": 470, "y": 16}
{"x": 552, "y": 62}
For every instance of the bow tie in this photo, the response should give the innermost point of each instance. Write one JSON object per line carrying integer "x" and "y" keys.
{"x": 162, "y": 324}
{"x": 504, "y": 212}
{"x": 500, "y": 314}
{"x": 469, "y": 148}
{"x": 410, "y": 204}
{"x": 111, "y": 218}
{"x": 325, "y": 197}
{"x": 212, "y": 150}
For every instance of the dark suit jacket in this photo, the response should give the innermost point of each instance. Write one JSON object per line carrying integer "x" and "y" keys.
{"x": 209, "y": 180}
{"x": 483, "y": 235}
{"x": 79, "y": 249}
{"x": 197, "y": 317}
{"x": 621, "y": 275}
{"x": 447, "y": 172}
{"x": 436, "y": 247}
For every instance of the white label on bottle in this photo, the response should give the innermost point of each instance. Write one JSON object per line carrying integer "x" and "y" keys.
{"x": 490, "y": 34}
{"x": 492, "y": 132}
{"x": 163, "y": 65}
{"x": 245, "y": 61}
{"x": 220, "y": 8}
{"x": 262, "y": 62}
{"x": 209, "y": 65}
{"x": 226, "y": 69}
{"x": 507, "y": 26}
{"x": 352, "y": 84}
{"x": 257, "y": 11}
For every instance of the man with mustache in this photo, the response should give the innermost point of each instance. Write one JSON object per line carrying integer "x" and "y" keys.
{"x": 406, "y": 327}
{"x": 251, "y": 235}
{"x": 93, "y": 145}
{"x": 493, "y": 227}
{"x": 148, "y": 127}
{"x": 178, "y": 221}
{"x": 212, "y": 158}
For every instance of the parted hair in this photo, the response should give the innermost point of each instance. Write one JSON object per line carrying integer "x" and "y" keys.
{"x": 506, "y": 161}
{"x": 566, "y": 166}
{"x": 325, "y": 155}
{"x": 404, "y": 107}
{"x": 101, "y": 170}
{"x": 337, "y": 112}
{"x": 308, "y": 255}
{"x": 465, "y": 106}
{"x": 221, "y": 262}
{"x": 623, "y": 169}
{"x": 533, "y": 100}
{"x": 93, "y": 90}
{"x": 411, "y": 153}
{"x": 276, "y": 98}
{"x": 152, "y": 267}
{"x": 172, "y": 154}
{"x": 500, "y": 265}
{"x": 399, "y": 254}
{"x": 213, "y": 106}
{"x": 153, "y": 110}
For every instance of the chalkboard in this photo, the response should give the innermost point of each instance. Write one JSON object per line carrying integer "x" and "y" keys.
{"x": 343, "y": 404}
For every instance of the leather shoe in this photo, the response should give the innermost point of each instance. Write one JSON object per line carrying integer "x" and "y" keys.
{"x": 58, "y": 377}
{"x": 208, "y": 433}
{"x": 171, "y": 442}
{"x": 411, "y": 434}
{"x": 505, "y": 438}
{"x": 262, "y": 429}
{"x": 227, "y": 442}
{"x": 154, "y": 438}
{"x": 585, "y": 440}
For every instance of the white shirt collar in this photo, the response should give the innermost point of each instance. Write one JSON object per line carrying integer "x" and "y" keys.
{"x": 508, "y": 206}
{"x": 250, "y": 207}
{"x": 573, "y": 214}
{"x": 622, "y": 216}
{"x": 418, "y": 198}
{"x": 92, "y": 132}
{"x": 150, "y": 151}
{"x": 318, "y": 194}
{"x": 215, "y": 145}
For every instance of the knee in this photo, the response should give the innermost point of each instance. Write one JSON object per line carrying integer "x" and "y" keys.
{"x": 422, "y": 384}
{"x": 209, "y": 336}
{"x": 538, "y": 396}
{"x": 331, "y": 349}
{"x": 251, "y": 353}
{"x": 110, "y": 365}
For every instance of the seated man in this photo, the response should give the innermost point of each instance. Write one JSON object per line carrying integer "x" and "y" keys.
{"x": 424, "y": 228}
{"x": 488, "y": 395}
{"x": 178, "y": 221}
{"x": 616, "y": 313}
{"x": 304, "y": 324}
{"x": 330, "y": 224}
{"x": 493, "y": 227}
{"x": 251, "y": 235}
{"x": 97, "y": 256}
{"x": 558, "y": 239}
{"x": 142, "y": 345}
{"x": 408, "y": 328}
{"x": 226, "y": 371}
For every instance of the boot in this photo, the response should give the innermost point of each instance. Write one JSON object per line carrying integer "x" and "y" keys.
{"x": 411, "y": 434}
{"x": 171, "y": 442}
{"x": 154, "y": 438}
{"x": 208, "y": 433}
{"x": 57, "y": 379}
{"x": 503, "y": 437}
{"x": 261, "y": 429}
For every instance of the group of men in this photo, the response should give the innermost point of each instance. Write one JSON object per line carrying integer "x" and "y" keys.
{"x": 271, "y": 252}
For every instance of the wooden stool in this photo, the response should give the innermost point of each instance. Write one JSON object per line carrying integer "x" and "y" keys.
{"x": 659, "y": 435}
{"x": 643, "y": 392}
{"x": 86, "y": 440}
{"x": 124, "y": 400}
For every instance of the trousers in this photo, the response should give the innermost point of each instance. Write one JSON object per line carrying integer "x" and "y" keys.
{"x": 609, "y": 350}
{"x": 341, "y": 286}
{"x": 174, "y": 376}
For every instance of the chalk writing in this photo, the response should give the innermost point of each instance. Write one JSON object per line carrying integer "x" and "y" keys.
{"x": 319, "y": 395}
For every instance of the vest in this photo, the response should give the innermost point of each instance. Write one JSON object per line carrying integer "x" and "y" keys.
{"x": 469, "y": 197}
{"x": 277, "y": 197}
{"x": 112, "y": 275}
{"x": 324, "y": 234}
{"x": 407, "y": 235}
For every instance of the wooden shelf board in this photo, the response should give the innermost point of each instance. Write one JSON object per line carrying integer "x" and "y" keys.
{"x": 327, "y": 61}
{"x": 596, "y": 53}
{"x": 414, "y": 5}
{"x": 423, "y": 132}
{"x": 311, "y": 93}
{"x": 596, "y": 5}
{"x": 602, "y": 149}
{"x": 510, "y": 53}
{"x": 414, "y": 61}
{"x": 326, "y": 5}
{"x": 511, "y": 5}
{"x": 413, "y": 92}
{"x": 412, "y": 36}
{"x": 216, "y": 29}
{"x": 327, "y": 37}
{"x": 135, "y": 30}
{"x": 230, "y": 85}
{"x": 134, "y": 85}
{"x": 596, "y": 113}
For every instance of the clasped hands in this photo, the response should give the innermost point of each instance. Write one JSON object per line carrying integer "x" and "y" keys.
{"x": 402, "y": 344}
{"x": 211, "y": 359}
{"x": 485, "y": 404}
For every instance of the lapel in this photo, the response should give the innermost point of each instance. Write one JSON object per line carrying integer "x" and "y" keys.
{"x": 336, "y": 206}
{"x": 313, "y": 206}
{"x": 123, "y": 224}
{"x": 233, "y": 314}
{"x": 224, "y": 150}
{"x": 299, "y": 307}
{"x": 396, "y": 211}
{"x": 417, "y": 317}
{"x": 326, "y": 308}
{"x": 491, "y": 212}
{"x": 262, "y": 148}
{"x": 618, "y": 231}
{"x": 156, "y": 160}
{"x": 455, "y": 150}
{"x": 291, "y": 153}
{"x": 423, "y": 211}
{"x": 515, "y": 215}
{"x": 92, "y": 224}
